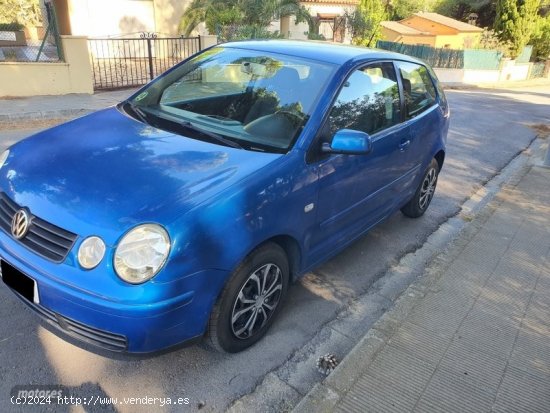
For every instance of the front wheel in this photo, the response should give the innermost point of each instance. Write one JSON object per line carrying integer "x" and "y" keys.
{"x": 422, "y": 198}
{"x": 250, "y": 301}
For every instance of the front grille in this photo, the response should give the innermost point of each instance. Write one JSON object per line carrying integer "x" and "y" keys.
{"x": 43, "y": 238}
{"x": 83, "y": 332}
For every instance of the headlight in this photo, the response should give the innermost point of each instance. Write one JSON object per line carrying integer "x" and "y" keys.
{"x": 3, "y": 157}
{"x": 91, "y": 252}
{"x": 141, "y": 253}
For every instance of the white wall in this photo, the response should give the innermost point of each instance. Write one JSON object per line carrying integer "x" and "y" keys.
{"x": 98, "y": 18}
{"x": 514, "y": 71}
{"x": 168, "y": 15}
{"x": 468, "y": 76}
{"x": 509, "y": 71}
{"x": 295, "y": 31}
{"x": 74, "y": 75}
{"x": 450, "y": 75}
{"x": 481, "y": 76}
{"x": 298, "y": 31}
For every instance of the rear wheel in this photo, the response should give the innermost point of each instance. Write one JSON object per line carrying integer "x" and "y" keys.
{"x": 250, "y": 301}
{"x": 422, "y": 198}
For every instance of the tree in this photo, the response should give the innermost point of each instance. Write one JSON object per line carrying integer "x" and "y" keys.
{"x": 24, "y": 12}
{"x": 516, "y": 22}
{"x": 461, "y": 9}
{"x": 490, "y": 41}
{"x": 364, "y": 22}
{"x": 261, "y": 12}
{"x": 250, "y": 16}
{"x": 541, "y": 39}
{"x": 401, "y": 9}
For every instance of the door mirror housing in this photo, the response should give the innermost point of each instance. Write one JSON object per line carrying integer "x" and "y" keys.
{"x": 349, "y": 142}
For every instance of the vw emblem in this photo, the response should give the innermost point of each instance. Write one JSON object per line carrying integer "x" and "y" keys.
{"x": 20, "y": 224}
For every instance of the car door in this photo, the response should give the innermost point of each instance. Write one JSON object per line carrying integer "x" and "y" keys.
{"x": 357, "y": 191}
{"x": 421, "y": 112}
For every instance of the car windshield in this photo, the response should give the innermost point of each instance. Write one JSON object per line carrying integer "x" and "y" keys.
{"x": 235, "y": 97}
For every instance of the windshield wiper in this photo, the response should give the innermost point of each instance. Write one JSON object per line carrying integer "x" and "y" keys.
{"x": 138, "y": 112}
{"x": 213, "y": 135}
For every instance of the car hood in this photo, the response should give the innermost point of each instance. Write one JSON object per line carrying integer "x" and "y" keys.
{"x": 106, "y": 172}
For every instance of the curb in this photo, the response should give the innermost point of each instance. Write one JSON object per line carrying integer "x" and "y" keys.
{"x": 325, "y": 396}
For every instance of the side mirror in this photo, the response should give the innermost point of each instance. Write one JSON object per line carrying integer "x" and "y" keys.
{"x": 349, "y": 142}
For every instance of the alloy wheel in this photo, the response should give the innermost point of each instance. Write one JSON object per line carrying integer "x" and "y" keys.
{"x": 428, "y": 188}
{"x": 257, "y": 300}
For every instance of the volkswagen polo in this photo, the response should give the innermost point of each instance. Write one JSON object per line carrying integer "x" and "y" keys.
{"x": 186, "y": 210}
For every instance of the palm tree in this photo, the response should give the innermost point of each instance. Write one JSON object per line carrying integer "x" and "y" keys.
{"x": 195, "y": 14}
{"x": 253, "y": 13}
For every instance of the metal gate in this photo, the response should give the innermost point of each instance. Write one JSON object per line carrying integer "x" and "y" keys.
{"x": 130, "y": 62}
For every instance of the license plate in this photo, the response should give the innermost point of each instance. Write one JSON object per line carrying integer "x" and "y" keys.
{"x": 19, "y": 282}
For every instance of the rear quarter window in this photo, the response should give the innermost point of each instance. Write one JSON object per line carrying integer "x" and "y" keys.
{"x": 442, "y": 98}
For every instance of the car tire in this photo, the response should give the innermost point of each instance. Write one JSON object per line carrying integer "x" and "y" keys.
{"x": 422, "y": 198}
{"x": 250, "y": 301}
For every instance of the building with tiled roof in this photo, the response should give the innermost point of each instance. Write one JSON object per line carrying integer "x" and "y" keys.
{"x": 330, "y": 18}
{"x": 443, "y": 21}
{"x": 431, "y": 29}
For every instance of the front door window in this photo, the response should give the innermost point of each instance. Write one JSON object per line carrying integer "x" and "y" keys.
{"x": 368, "y": 102}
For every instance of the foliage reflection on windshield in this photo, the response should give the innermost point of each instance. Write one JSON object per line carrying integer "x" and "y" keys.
{"x": 254, "y": 98}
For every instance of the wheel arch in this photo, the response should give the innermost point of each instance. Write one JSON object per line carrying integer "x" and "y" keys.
{"x": 440, "y": 158}
{"x": 292, "y": 249}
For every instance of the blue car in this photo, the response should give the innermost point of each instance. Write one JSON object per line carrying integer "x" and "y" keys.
{"x": 186, "y": 210}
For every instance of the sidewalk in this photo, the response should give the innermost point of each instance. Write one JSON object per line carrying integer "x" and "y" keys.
{"x": 473, "y": 334}
{"x": 57, "y": 107}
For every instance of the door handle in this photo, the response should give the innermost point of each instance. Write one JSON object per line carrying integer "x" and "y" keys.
{"x": 404, "y": 145}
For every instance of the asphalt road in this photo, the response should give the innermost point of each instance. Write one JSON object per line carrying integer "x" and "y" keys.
{"x": 488, "y": 129}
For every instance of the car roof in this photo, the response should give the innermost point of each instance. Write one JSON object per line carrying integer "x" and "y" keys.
{"x": 318, "y": 50}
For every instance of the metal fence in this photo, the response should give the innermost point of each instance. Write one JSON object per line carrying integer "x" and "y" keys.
{"x": 482, "y": 59}
{"x": 29, "y": 33}
{"x": 448, "y": 58}
{"x": 445, "y": 58}
{"x": 537, "y": 71}
{"x": 525, "y": 55}
{"x": 129, "y": 62}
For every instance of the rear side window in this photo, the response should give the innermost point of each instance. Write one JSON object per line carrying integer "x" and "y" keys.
{"x": 418, "y": 88}
{"x": 368, "y": 101}
{"x": 442, "y": 98}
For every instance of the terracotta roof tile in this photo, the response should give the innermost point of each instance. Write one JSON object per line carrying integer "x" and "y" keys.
{"x": 402, "y": 28}
{"x": 447, "y": 21}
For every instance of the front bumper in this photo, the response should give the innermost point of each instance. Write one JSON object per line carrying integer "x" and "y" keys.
{"x": 98, "y": 338}
{"x": 155, "y": 324}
